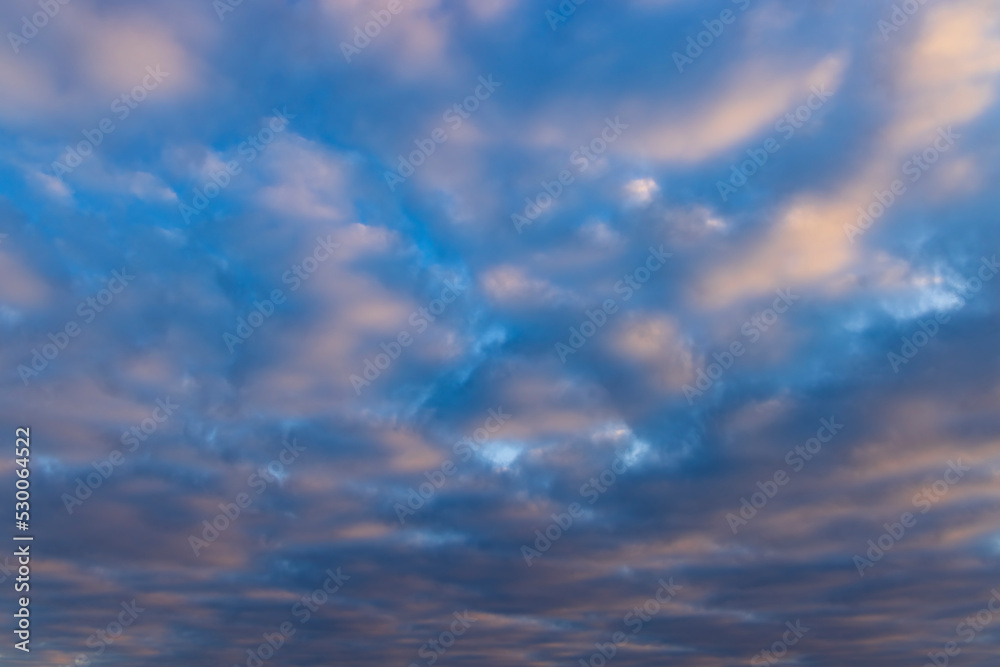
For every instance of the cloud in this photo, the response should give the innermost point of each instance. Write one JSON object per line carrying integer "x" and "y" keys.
{"x": 750, "y": 98}
{"x": 356, "y": 265}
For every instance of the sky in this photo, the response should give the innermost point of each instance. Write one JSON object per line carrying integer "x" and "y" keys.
{"x": 497, "y": 332}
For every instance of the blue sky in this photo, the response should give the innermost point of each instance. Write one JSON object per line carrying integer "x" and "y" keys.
{"x": 502, "y": 328}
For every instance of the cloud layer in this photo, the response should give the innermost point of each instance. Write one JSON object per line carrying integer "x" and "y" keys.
{"x": 447, "y": 331}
